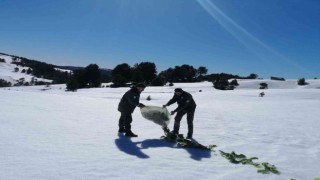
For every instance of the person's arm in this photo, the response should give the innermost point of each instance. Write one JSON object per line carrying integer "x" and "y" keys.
{"x": 171, "y": 101}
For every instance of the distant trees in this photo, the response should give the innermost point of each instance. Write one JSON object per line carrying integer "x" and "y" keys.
{"x": 158, "y": 81}
{"x": 263, "y": 85}
{"x": 119, "y": 81}
{"x": 302, "y": 82}
{"x": 92, "y": 75}
{"x": 184, "y": 73}
{"x": 222, "y": 84}
{"x": 72, "y": 85}
{"x": 2, "y": 60}
{"x": 201, "y": 72}
{"x": 121, "y": 74}
{"x": 145, "y": 72}
{"x": 85, "y": 78}
{"x": 4, "y": 83}
{"x": 29, "y": 71}
{"x": 277, "y": 78}
{"x": 252, "y": 76}
{"x": 234, "y": 82}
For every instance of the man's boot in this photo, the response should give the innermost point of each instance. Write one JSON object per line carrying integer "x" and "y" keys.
{"x": 130, "y": 134}
{"x": 189, "y": 136}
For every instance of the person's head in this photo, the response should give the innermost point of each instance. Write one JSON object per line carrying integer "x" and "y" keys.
{"x": 140, "y": 87}
{"x": 178, "y": 91}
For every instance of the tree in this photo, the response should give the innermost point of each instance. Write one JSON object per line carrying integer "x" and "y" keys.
{"x": 123, "y": 70}
{"x": 85, "y": 78}
{"x": 277, "y": 78}
{"x": 222, "y": 84}
{"x": 16, "y": 69}
{"x": 188, "y": 73}
{"x": 263, "y": 85}
{"x": 4, "y": 83}
{"x": 119, "y": 81}
{"x": 15, "y": 59}
{"x": 29, "y": 71}
{"x": 202, "y": 71}
{"x": 184, "y": 73}
{"x": 144, "y": 72}
{"x": 92, "y": 75}
{"x": 72, "y": 85}
{"x": 302, "y": 82}
{"x": 234, "y": 82}
{"x": 253, "y": 76}
{"x": 167, "y": 75}
{"x": 158, "y": 81}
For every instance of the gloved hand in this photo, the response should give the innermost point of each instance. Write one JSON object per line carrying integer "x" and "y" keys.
{"x": 172, "y": 112}
{"x": 164, "y": 106}
{"x": 140, "y": 105}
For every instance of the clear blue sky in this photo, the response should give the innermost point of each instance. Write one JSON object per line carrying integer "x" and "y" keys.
{"x": 266, "y": 37}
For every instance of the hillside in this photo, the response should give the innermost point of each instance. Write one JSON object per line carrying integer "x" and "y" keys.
{"x": 23, "y": 71}
{"x": 8, "y": 73}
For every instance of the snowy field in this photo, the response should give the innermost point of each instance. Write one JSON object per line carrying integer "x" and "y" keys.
{"x": 47, "y": 133}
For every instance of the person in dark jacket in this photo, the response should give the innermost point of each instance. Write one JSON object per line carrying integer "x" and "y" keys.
{"x": 186, "y": 105}
{"x": 127, "y": 104}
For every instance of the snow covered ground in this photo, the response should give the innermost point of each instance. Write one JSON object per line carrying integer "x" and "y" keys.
{"x": 47, "y": 133}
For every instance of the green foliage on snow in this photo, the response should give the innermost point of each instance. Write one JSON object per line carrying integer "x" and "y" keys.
{"x": 264, "y": 168}
{"x": 185, "y": 143}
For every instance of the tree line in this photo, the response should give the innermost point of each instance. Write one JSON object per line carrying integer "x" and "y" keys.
{"x": 124, "y": 75}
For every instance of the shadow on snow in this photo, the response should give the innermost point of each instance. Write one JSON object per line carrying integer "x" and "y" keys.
{"x": 126, "y": 145}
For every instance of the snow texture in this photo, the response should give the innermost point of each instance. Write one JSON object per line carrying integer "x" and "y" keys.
{"x": 54, "y": 134}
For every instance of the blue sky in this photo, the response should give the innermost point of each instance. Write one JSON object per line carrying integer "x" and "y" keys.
{"x": 269, "y": 38}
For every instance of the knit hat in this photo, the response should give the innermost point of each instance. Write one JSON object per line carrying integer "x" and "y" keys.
{"x": 178, "y": 90}
{"x": 141, "y": 85}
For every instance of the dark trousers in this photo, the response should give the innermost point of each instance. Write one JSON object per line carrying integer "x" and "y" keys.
{"x": 177, "y": 119}
{"x": 125, "y": 121}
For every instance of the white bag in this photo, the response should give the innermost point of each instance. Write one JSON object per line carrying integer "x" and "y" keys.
{"x": 158, "y": 115}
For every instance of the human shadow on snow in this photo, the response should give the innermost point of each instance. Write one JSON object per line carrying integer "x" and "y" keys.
{"x": 126, "y": 145}
{"x": 196, "y": 154}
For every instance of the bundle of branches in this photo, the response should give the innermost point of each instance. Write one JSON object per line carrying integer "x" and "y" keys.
{"x": 264, "y": 168}
{"x": 183, "y": 142}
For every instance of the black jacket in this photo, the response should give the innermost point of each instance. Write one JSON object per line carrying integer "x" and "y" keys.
{"x": 185, "y": 102}
{"x": 129, "y": 101}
